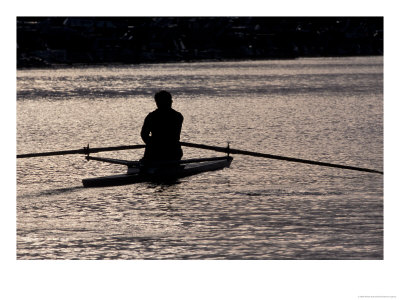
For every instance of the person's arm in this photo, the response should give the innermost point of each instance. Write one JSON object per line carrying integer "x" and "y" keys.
{"x": 179, "y": 128}
{"x": 145, "y": 132}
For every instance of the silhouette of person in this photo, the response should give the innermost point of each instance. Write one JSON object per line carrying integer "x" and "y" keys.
{"x": 161, "y": 131}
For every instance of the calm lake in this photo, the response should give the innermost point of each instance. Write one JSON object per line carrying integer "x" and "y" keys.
{"x": 324, "y": 109}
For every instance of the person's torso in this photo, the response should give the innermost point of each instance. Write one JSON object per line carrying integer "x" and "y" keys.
{"x": 165, "y": 125}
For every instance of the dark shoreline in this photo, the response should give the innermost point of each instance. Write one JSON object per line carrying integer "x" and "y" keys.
{"x": 47, "y": 42}
{"x": 55, "y": 66}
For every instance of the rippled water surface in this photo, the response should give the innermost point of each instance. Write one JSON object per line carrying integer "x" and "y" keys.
{"x": 327, "y": 109}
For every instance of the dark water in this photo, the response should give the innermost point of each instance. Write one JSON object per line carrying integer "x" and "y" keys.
{"x": 327, "y": 109}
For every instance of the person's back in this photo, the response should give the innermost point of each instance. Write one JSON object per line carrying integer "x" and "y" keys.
{"x": 161, "y": 130}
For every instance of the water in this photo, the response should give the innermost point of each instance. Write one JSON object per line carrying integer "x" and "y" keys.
{"x": 327, "y": 109}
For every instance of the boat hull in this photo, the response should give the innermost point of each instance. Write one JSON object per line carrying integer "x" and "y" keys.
{"x": 161, "y": 174}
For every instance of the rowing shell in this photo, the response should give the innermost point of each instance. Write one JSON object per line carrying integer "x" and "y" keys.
{"x": 162, "y": 172}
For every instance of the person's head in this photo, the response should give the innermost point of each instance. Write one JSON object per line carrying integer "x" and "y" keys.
{"x": 163, "y": 100}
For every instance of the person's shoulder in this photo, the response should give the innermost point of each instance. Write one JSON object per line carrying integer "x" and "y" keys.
{"x": 150, "y": 116}
{"x": 153, "y": 113}
{"x": 177, "y": 113}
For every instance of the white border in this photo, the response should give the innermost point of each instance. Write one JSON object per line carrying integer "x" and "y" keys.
{"x": 199, "y": 279}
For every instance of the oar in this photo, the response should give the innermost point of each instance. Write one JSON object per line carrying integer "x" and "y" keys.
{"x": 84, "y": 150}
{"x": 257, "y": 154}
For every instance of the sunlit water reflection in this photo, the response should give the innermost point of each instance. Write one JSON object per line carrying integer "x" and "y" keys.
{"x": 328, "y": 109}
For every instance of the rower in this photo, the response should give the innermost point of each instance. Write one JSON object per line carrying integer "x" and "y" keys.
{"x": 161, "y": 131}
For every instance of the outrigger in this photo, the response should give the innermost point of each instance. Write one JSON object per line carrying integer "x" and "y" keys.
{"x": 170, "y": 171}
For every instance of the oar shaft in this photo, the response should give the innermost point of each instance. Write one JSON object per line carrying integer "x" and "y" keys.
{"x": 80, "y": 151}
{"x": 270, "y": 156}
{"x": 88, "y": 150}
